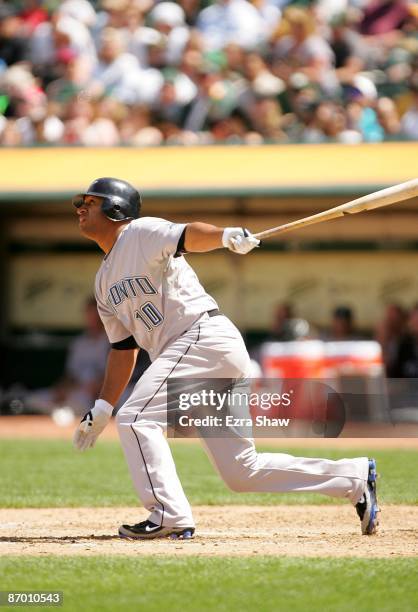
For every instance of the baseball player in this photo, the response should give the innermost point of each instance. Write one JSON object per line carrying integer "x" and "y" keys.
{"x": 148, "y": 296}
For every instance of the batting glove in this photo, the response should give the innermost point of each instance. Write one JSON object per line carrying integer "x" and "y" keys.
{"x": 239, "y": 240}
{"x": 92, "y": 425}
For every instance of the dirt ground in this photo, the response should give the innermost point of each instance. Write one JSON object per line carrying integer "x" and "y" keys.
{"x": 307, "y": 531}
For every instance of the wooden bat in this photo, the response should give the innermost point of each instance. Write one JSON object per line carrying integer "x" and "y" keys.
{"x": 384, "y": 197}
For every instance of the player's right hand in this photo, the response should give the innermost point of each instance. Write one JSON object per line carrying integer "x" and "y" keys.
{"x": 92, "y": 425}
{"x": 239, "y": 240}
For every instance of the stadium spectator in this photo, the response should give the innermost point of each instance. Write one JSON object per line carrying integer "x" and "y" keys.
{"x": 13, "y": 45}
{"x": 77, "y": 118}
{"x": 388, "y": 117}
{"x": 215, "y": 100}
{"x": 342, "y": 325}
{"x": 263, "y": 84}
{"x": 390, "y": 334}
{"x": 234, "y": 21}
{"x": 235, "y": 71}
{"x": 54, "y": 39}
{"x": 405, "y": 364}
{"x": 102, "y": 130}
{"x": 285, "y": 326}
{"x": 410, "y": 118}
{"x": 268, "y": 120}
{"x": 75, "y": 78}
{"x": 168, "y": 19}
{"x": 301, "y": 48}
{"x": 81, "y": 10}
{"x": 383, "y": 16}
{"x": 362, "y": 116}
{"x": 113, "y": 72}
{"x": 24, "y": 100}
{"x": 329, "y": 122}
{"x": 84, "y": 370}
{"x": 191, "y": 10}
{"x": 32, "y": 15}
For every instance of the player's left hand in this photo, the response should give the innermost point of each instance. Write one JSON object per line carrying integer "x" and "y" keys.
{"x": 239, "y": 240}
{"x": 92, "y": 425}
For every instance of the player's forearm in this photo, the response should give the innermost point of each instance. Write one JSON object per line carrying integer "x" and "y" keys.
{"x": 202, "y": 237}
{"x": 120, "y": 365}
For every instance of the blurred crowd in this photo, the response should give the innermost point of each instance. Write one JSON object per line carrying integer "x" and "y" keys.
{"x": 144, "y": 73}
{"x": 84, "y": 370}
{"x": 396, "y": 332}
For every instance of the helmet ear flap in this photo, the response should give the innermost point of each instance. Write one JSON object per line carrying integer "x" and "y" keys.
{"x": 112, "y": 207}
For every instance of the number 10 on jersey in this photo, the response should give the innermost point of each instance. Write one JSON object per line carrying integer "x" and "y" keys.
{"x": 149, "y": 315}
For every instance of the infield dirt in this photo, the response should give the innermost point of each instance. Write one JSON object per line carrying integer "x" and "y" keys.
{"x": 304, "y": 531}
{"x": 299, "y": 531}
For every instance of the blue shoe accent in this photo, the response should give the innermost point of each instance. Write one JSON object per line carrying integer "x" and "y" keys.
{"x": 372, "y": 470}
{"x": 185, "y": 535}
{"x": 373, "y": 521}
{"x": 367, "y": 508}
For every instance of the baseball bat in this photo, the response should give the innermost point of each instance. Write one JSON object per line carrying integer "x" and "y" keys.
{"x": 383, "y": 197}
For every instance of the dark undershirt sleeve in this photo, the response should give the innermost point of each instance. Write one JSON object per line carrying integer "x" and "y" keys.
{"x": 181, "y": 250}
{"x": 125, "y": 345}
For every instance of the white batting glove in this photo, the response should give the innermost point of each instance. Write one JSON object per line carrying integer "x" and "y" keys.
{"x": 92, "y": 425}
{"x": 239, "y": 240}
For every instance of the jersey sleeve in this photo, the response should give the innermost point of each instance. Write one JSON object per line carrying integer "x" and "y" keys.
{"x": 114, "y": 329}
{"x": 159, "y": 238}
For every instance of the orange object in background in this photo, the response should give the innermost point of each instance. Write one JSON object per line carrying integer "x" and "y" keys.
{"x": 299, "y": 367}
{"x": 293, "y": 365}
{"x": 317, "y": 359}
{"x": 299, "y": 359}
{"x": 352, "y": 357}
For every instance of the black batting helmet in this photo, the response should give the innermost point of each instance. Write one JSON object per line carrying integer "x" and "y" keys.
{"x": 120, "y": 200}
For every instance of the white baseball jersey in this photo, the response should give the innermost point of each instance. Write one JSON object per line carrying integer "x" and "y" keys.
{"x": 143, "y": 291}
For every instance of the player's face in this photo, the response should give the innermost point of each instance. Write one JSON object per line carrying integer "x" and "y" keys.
{"x": 91, "y": 219}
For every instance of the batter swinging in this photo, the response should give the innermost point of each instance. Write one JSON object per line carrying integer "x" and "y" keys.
{"x": 148, "y": 296}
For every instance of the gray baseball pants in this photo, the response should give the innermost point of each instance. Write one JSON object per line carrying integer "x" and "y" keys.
{"x": 214, "y": 348}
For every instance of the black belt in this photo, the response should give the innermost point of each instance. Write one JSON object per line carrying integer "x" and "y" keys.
{"x": 214, "y": 313}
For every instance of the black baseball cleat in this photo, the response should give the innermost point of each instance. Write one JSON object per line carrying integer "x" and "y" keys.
{"x": 367, "y": 508}
{"x": 146, "y": 530}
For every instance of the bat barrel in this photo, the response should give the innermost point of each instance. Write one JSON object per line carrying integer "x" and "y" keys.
{"x": 383, "y": 197}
